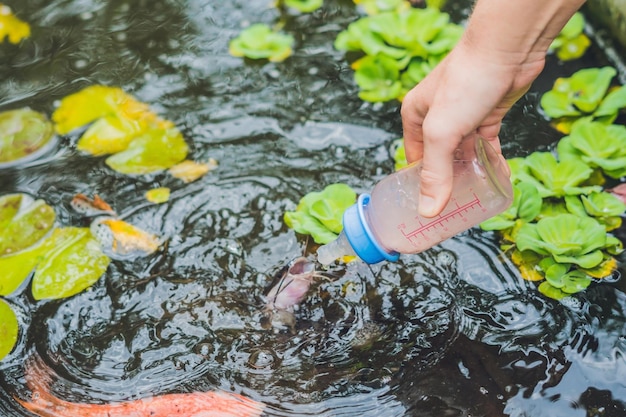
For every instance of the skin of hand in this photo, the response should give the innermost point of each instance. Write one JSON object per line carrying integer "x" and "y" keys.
{"x": 500, "y": 54}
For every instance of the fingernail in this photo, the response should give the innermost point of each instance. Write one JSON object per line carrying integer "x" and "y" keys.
{"x": 426, "y": 205}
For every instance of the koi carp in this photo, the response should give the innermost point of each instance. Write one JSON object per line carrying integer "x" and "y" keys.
{"x": 194, "y": 404}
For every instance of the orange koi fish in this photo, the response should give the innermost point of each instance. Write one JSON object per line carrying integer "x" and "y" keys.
{"x": 195, "y": 404}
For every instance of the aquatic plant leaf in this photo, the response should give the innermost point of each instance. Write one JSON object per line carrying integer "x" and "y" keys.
{"x": 9, "y": 327}
{"x": 603, "y": 204}
{"x": 88, "y": 105}
{"x": 378, "y": 78}
{"x": 579, "y": 94}
{"x": 598, "y": 145}
{"x": 566, "y": 237}
{"x": 373, "y": 7}
{"x": 158, "y": 195}
{"x": 526, "y": 206}
{"x": 602, "y": 270}
{"x": 550, "y": 291}
{"x": 9, "y": 206}
{"x": 571, "y": 42}
{"x": 123, "y": 239}
{"x": 17, "y": 267}
{"x": 259, "y": 41}
{"x": 399, "y": 154}
{"x": 32, "y": 221}
{"x": 554, "y": 178}
{"x": 303, "y": 223}
{"x": 305, "y": 6}
{"x": 189, "y": 171}
{"x": 570, "y": 282}
{"x": 528, "y": 264}
{"x": 11, "y": 27}
{"x": 612, "y": 103}
{"x": 73, "y": 262}
{"x": 319, "y": 213}
{"x": 107, "y": 135}
{"x": 23, "y": 132}
{"x": 152, "y": 151}
{"x": 334, "y": 201}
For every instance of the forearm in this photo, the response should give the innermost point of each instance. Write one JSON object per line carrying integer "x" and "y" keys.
{"x": 517, "y": 31}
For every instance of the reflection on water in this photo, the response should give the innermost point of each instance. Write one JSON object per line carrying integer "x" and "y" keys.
{"x": 450, "y": 332}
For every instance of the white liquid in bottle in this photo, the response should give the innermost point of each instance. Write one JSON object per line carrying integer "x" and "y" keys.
{"x": 481, "y": 189}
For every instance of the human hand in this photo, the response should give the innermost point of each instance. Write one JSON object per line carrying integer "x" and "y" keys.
{"x": 500, "y": 54}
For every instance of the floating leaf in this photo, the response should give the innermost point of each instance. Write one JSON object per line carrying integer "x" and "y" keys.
{"x": 557, "y": 178}
{"x": 528, "y": 262}
{"x": 24, "y": 227}
{"x": 8, "y": 327}
{"x": 305, "y": 6}
{"x": 189, "y": 171}
{"x": 123, "y": 239}
{"x": 399, "y": 154}
{"x": 16, "y": 268}
{"x": 378, "y": 78}
{"x": 24, "y": 133}
{"x": 158, "y": 195}
{"x": 571, "y": 42}
{"x": 373, "y": 7}
{"x": 259, "y": 41}
{"x": 319, "y": 214}
{"x": 153, "y": 151}
{"x": 12, "y": 27}
{"x": 73, "y": 262}
{"x": 110, "y": 134}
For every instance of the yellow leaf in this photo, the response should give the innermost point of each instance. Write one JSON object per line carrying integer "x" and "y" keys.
{"x": 88, "y": 105}
{"x": 189, "y": 171}
{"x": 11, "y": 26}
{"x": 605, "y": 269}
{"x": 122, "y": 238}
{"x": 158, "y": 195}
{"x": 527, "y": 262}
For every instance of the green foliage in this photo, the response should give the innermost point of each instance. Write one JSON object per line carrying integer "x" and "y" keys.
{"x": 399, "y": 154}
{"x": 259, "y": 41}
{"x": 525, "y": 207}
{"x": 373, "y": 7}
{"x": 8, "y": 329}
{"x": 585, "y": 93}
{"x": 554, "y": 178}
{"x": 66, "y": 261}
{"x": 319, "y": 214}
{"x": 571, "y": 42}
{"x": 305, "y": 6}
{"x": 598, "y": 145}
{"x": 400, "y": 48}
{"x": 23, "y": 133}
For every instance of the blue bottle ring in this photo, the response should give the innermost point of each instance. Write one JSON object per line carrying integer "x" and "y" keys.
{"x": 360, "y": 235}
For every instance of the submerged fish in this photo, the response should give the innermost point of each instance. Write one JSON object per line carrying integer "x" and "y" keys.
{"x": 195, "y": 404}
{"x": 288, "y": 292}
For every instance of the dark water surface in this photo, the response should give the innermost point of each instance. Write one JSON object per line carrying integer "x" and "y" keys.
{"x": 451, "y": 332}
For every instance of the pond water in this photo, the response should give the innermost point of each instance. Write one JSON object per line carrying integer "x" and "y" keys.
{"x": 453, "y": 331}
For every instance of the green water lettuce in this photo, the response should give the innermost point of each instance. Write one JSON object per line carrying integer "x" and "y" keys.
{"x": 305, "y": 6}
{"x": 412, "y": 40}
{"x": 554, "y": 178}
{"x": 566, "y": 238}
{"x": 603, "y": 206}
{"x": 8, "y": 329}
{"x": 23, "y": 133}
{"x": 259, "y": 41}
{"x": 585, "y": 93}
{"x": 571, "y": 42}
{"x": 373, "y": 7}
{"x": 378, "y": 78}
{"x": 319, "y": 214}
{"x": 525, "y": 207}
{"x": 598, "y": 145}
{"x": 399, "y": 154}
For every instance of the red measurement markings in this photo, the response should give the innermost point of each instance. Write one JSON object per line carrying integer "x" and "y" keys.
{"x": 440, "y": 220}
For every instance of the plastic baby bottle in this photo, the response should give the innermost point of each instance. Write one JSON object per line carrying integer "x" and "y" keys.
{"x": 385, "y": 224}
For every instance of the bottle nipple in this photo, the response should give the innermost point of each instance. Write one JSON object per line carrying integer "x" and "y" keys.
{"x": 336, "y": 249}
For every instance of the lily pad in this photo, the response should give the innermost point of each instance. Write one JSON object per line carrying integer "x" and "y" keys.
{"x": 16, "y": 268}
{"x": 25, "y": 226}
{"x": 73, "y": 262}
{"x": 24, "y": 135}
{"x": 8, "y": 329}
{"x": 154, "y": 150}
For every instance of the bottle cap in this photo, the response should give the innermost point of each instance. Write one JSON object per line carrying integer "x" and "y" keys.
{"x": 361, "y": 237}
